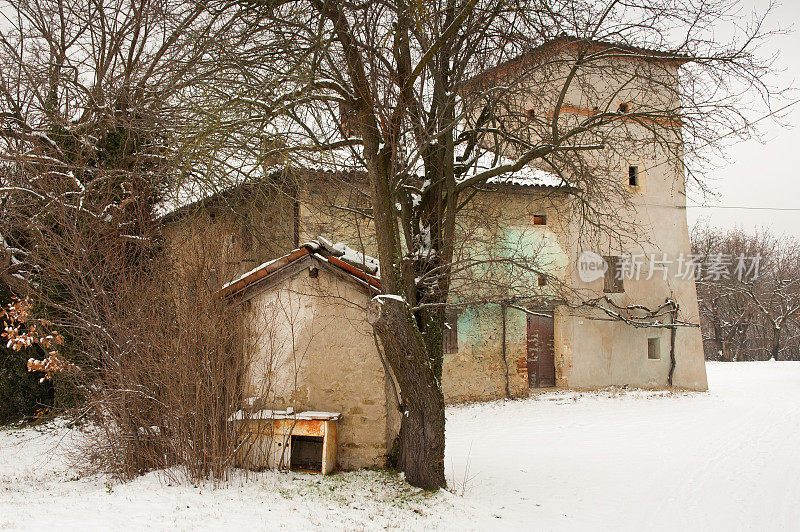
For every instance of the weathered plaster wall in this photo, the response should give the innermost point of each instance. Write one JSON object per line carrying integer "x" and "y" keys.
{"x": 332, "y": 206}
{"x": 608, "y": 352}
{"x": 233, "y": 235}
{"x": 316, "y": 352}
{"x": 478, "y": 370}
{"x": 591, "y": 349}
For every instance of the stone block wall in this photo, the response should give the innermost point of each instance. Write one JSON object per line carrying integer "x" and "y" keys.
{"x": 323, "y": 357}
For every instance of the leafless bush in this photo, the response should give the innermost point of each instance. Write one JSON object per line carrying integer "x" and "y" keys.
{"x": 165, "y": 397}
{"x": 159, "y": 359}
{"x": 88, "y": 120}
{"x": 749, "y": 315}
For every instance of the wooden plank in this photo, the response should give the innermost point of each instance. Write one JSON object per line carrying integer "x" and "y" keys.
{"x": 547, "y": 356}
{"x": 450, "y": 333}
{"x": 301, "y": 427}
{"x": 266, "y": 448}
{"x": 540, "y": 357}
{"x": 281, "y": 452}
{"x": 329, "y": 446}
{"x": 532, "y": 358}
{"x": 272, "y": 442}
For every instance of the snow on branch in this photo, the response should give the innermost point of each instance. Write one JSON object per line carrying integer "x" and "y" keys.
{"x": 640, "y": 316}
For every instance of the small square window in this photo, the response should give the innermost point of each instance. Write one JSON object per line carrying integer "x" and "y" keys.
{"x": 654, "y": 348}
{"x": 539, "y": 219}
{"x": 542, "y": 281}
{"x": 530, "y": 113}
{"x": 633, "y": 176}
{"x": 623, "y": 107}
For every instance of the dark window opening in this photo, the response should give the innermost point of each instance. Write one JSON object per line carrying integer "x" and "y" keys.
{"x": 542, "y": 280}
{"x": 450, "y": 332}
{"x": 612, "y": 280}
{"x": 623, "y": 107}
{"x": 539, "y": 219}
{"x": 633, "y": 176}
{"x": 307, "y": 453}
{"x": 530, "y": 113}
{"x": 654, "y": 348}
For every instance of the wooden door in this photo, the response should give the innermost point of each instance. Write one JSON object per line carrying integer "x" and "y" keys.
{"x": 541, "y": 350}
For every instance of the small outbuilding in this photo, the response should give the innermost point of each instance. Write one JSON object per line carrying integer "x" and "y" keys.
{"x": 313, "y": 351}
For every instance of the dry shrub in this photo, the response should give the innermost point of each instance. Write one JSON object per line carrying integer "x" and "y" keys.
{"x": 163, "y": 394}
{"x": 157, "y": 370}
{"x": 158, "y": 358}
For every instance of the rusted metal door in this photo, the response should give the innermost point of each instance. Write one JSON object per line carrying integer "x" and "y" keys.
{"x": 541, "y": 350}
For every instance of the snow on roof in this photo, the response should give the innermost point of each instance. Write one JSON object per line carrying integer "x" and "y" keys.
{"x": 349, "y": 159}
{"x": 362, "y": 268}
{"x": 285, "y": 414}
{"x": 351, "y": 256}
{"x": 531, "y": 177}
{"x": 197, "y": 194}
{"x": 527, "y": 176}
{"x": 252, "y": 272}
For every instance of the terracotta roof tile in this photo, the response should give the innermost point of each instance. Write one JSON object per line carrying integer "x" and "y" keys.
{"x": 336, "y": 255}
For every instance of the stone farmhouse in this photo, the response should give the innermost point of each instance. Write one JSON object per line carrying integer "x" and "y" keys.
{"x": 584, "y": 321}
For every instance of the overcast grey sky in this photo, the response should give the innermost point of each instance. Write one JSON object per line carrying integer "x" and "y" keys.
{"x": 766, "y": 174}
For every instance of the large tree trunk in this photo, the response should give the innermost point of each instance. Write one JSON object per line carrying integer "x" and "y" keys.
{"x": 422, "y": 426}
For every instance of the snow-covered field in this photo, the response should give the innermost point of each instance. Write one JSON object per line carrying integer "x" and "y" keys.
{"x": 614, "y": 459}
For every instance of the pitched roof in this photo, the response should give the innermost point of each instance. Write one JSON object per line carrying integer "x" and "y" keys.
{"x": 362, "y": 269}
{"x": 283, "y": 178}
{"x": 527, "y": 176}
{"x": 565, "y": 42}
{"x": 173, "y": 208}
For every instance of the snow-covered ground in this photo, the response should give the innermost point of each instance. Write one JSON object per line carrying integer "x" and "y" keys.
{"x": 614, "y": 459}
{"x": 728, "y": 459}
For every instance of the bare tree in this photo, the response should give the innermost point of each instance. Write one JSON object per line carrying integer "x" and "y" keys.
{"x": 90, "y": 107}
{"x": 401, "y": 93}
{"x": 88, "y": 115}
{"x": 751, "y": 313}
{"x": 726, "y": 315}
{"x": 89, "y": 111}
